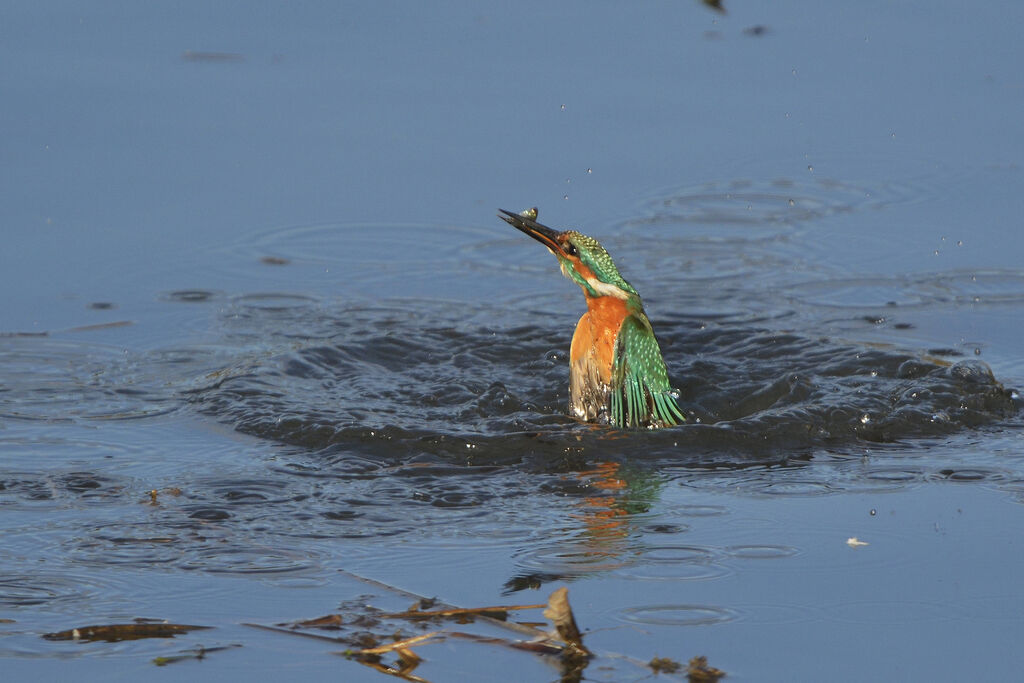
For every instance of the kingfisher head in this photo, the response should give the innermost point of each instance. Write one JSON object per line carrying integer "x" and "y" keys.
{"x": 582, "y": 258}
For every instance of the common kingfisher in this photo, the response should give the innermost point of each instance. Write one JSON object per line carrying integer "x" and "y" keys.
{"x": 616, "y": 373}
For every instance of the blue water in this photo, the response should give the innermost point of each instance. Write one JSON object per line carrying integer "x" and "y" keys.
{"x": 251, "y": 261}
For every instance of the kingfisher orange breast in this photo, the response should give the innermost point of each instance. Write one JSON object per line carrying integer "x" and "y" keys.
{"x": 596, "y": 333}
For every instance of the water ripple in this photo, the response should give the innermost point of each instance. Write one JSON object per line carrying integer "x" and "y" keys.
{"x": 678, "y": 615}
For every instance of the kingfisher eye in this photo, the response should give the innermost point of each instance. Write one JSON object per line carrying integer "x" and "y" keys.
{"x": 569, "y": 249}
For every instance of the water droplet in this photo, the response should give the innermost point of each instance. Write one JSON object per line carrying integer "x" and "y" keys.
{"x": 942, "y": 238}
{"x": 873, "y": 512}
{"x": 874, "y": 373}
{"x": 568, "y": 180}
{"x": 565, "y": 196}
{"x": 977, "y": 350}
{"x": 936, "y": 252}
{"x": 810, "y": 168}
{"x": 787, "y": 114}
{"x": 959, "y": 243}
{"x": 590, "y": 170}
{"x": 563, "y": 107}
{"x": 794, "y": 72}
{"x": 792, "y": 203}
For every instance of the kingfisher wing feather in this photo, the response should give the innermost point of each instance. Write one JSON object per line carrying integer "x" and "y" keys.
{"x": 641, "y": 395}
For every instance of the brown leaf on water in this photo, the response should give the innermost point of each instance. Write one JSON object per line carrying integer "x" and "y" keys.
{"x": 664, "y": 664}
{"x": 408, "y": 659}
{"x": 560, "y": 614}
{"x": 698, "y": 671}
{"x": 197, "y": 653}
{"x": 400, "y": 645}
{"x": 496, "y": 612}
{"x": 116, "y": 632}
{"x": 326, "y": 621}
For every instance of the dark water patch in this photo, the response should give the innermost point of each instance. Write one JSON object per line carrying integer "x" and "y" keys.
{"x": 394, "y": 387}
{"x": 192, "y": 296}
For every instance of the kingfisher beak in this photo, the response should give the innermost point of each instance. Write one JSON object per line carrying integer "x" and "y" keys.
{"x": 541, "y": 233}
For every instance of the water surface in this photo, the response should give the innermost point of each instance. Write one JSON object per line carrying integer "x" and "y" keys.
{"x": 265, "y": 335}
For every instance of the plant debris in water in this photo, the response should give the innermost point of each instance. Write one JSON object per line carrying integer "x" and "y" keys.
{"x": 383, "y": 641}
{"x": 113, "y": 633}
{"x": 194, "y": 653}
{"x": 698, "y": 671}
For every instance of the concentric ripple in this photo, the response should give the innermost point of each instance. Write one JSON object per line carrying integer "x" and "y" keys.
{"x": 678, "y": 615}
{"x": 52, "y": 379}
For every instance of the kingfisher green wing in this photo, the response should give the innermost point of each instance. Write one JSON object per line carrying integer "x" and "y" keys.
{"x": 641, "y": 395}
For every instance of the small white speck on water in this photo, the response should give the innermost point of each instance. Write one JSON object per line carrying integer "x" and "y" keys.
{"x": 794, "y": 72}
{"x": 792, "y": 203}
{"x": 565, "y": 196}
{"x": 874, "y": 373}
{"x": 873, "y": 512}
{"x": 865, "y": 418}
{"x": 563, "y": 107}
{"x": 936, "y": 252}
{"x": 959, "y": 243}
{"x": 810, "y": 168}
